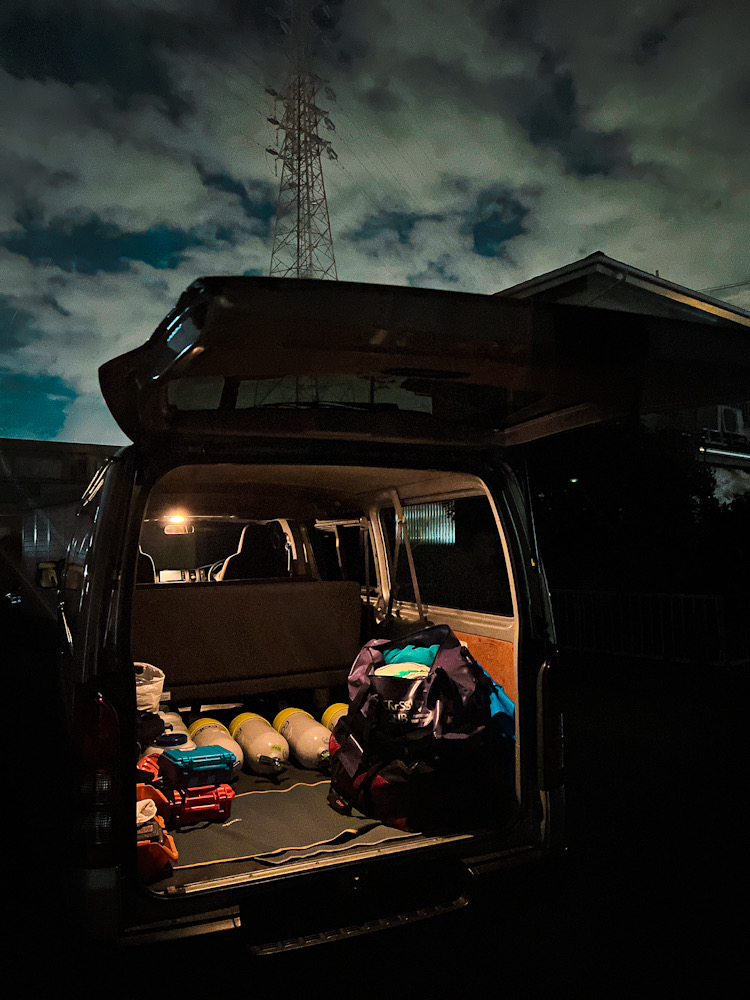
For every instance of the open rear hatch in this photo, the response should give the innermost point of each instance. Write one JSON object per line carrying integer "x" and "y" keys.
{"x": 244, "y": 356}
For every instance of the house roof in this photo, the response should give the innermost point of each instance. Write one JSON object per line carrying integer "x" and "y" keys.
{"x": 601, "y": 281}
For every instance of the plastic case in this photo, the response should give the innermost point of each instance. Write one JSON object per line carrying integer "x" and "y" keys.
{"x": 201, "y": 805}
{"x": 183, "y": 769}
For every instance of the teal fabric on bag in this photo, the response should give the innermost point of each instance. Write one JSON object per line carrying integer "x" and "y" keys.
{"x": 412, "y": 654}
{"x": 502, "y": 711}
{"x": 500, "y": 702}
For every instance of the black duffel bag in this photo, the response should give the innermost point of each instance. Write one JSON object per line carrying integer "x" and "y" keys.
{"x": 428, "y": 753}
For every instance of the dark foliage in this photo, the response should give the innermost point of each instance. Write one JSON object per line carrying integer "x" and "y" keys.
{"x": 628, "y": 508}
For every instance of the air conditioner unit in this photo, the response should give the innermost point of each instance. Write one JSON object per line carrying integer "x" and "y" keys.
{"x": 731, "y": 420}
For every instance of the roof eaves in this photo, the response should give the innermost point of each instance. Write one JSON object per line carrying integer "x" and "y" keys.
{"x": 600, "y": 263}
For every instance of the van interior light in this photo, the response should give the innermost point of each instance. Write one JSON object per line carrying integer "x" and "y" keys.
{"x": 177, "y": 524}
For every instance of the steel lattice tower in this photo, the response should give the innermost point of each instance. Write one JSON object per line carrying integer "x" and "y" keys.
{"x": 302, "y": 243}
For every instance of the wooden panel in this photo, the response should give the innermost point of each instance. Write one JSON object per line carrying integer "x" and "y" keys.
{"x": 496, "y": 656}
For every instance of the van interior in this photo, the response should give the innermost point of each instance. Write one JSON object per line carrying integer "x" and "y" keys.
{"x": 256, "y": 587}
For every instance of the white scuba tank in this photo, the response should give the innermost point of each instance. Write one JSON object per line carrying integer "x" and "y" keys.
{"x": 174, "y": 722}
{"x": 169, "y": 741}
{"x": 333, "y": 713}
{"x": 210, "y": 732}
{"x": 265, "y": 751}
{"x": 307, "y": 739}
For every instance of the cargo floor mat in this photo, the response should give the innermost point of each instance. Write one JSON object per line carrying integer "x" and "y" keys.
{"x": 278, "y": 825}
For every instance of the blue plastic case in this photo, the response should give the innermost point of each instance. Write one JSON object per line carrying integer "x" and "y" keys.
{"x": 209, "y": 765}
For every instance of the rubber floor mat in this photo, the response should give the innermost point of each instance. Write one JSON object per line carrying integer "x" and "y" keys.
{"x": 278, "y": 825}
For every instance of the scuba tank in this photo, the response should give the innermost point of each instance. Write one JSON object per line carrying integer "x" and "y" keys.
{"x": 307, "y": 739}
{"x": 210, "y": 732}
{"x": 265, "y": 751}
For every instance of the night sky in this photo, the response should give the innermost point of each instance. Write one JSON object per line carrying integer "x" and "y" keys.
{"x": 479, "y": 143}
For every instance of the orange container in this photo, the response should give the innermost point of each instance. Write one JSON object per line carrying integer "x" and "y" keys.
{"x": 153, "y": 857}
{"x": 163, "y": 805}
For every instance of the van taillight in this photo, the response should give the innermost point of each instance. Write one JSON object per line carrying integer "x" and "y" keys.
{"x": 550, "y": 757}
{"x": 98, "y": 762}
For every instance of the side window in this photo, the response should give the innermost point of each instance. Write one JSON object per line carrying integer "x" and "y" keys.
{"x": 75, "y": 573}
{"x": 458, "y": 555}
{"x": 92, "y": 574}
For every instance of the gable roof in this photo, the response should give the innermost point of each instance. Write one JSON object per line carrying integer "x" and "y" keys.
{"x": 602, "y": 281}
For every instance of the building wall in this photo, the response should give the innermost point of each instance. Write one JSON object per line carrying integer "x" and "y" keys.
{"x": 36, "y": 474}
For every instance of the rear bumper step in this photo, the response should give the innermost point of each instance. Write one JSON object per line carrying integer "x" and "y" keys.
{"x": 356, "y": 930}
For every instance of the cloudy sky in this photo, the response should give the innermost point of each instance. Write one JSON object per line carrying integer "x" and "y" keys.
{"x": 479, "y": 143}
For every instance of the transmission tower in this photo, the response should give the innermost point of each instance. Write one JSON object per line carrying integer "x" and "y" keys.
{"x": 302, "y": 243}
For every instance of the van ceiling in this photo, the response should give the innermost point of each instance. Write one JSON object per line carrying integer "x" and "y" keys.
{"x": 300, "y": 491}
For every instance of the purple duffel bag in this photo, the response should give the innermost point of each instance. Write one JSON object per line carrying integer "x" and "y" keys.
{"x": 425, "y": 752}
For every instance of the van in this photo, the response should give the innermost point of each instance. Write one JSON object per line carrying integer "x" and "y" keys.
{"x": 314, "y": 465}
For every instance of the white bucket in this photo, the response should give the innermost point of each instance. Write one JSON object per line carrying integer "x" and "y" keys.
{"x": 406, "y": 669}
{"x": 149, "y": 685}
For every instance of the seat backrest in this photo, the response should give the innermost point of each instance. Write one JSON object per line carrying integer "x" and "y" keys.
{"x": 213, "y": 639}
{"x": 146, "y": 570}
{"x": 261, "y": 554}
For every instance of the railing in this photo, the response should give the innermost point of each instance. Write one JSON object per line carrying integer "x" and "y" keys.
{"x": 673, "y": 628}
{"x": 728, "y": 439}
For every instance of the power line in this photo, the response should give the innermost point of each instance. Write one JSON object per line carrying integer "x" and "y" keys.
{"x": 725, "y": 288}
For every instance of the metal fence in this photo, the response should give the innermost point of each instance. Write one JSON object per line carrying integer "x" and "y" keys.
{"x": 673, "y": 628}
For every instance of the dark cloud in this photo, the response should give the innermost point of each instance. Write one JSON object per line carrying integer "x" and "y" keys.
{"x": 257, "y": 199}
{"x": 382, "y": 98}
{"x": 549, "y": 112}
{"x": 341, "y": 44}
{"x": 544, "y": 103}
{"x": 93, "y": 246}
{"x": 651, "y": 41}
{"x": 122, "y": 45}
{"x": 401, "y": 224}
{"x": 76, "y": 47}
{"x": 433, "y": 79}
{"x": 438, "y": 272}
{"x": 17, "y": 327}
{"x": 552, "y": 113}
{"x": 513, "y": 21}
{"x": 33, "y": 406}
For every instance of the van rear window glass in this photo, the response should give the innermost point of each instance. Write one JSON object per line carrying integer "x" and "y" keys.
{"x": 332, "y": 390}
{"x": 458, "y": 556}
{"x": 447, "y": 397}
